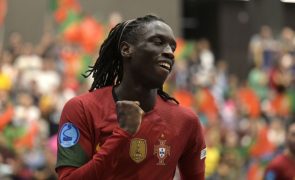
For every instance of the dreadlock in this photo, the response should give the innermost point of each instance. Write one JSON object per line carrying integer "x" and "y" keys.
{"x": 108, "y": 68}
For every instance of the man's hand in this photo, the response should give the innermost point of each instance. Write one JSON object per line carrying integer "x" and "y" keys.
{"x": 129, "y": 115}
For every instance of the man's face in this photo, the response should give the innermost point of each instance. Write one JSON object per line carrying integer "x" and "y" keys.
{"x": 153, "y": 55}
{"x": 290, "y": 139}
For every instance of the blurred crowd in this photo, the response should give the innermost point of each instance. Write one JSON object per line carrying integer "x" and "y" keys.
{"x": 243, "y": 118}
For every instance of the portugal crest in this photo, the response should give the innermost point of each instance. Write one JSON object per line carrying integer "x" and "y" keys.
{"x": 162, "y": 151}
{"x": 137, "y": 150}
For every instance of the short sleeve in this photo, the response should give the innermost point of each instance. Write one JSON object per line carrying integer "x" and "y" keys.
{"x": 74, "y": 139}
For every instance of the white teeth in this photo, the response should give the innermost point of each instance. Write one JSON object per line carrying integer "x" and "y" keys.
{"x": 165, "y": 65}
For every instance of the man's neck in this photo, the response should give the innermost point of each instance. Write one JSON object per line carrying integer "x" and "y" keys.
{"x": 146, "y": 97}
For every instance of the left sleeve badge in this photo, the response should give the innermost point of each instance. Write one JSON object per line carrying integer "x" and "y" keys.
{"x": 203, "y": 153}
{"x": 68, "y": 135}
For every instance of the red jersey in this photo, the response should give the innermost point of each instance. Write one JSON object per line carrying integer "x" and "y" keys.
{"x": 92, "y": 146}
{"x": 281, "y": 168}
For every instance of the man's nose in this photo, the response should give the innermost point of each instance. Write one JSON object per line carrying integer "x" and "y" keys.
{"x": 168, "y": 52}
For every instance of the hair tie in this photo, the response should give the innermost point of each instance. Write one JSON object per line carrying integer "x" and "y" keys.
{"x": 126, "y": 23}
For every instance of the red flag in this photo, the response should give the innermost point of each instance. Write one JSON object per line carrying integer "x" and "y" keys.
{"x": 6, "y": 117}
{"x": 91, "y": 34}
{"x": 3, "y": 11}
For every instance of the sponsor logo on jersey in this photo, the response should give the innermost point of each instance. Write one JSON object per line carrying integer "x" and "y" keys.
{"x": 162, "y": 151}
{"x": 203, "y": 153}
{"x": 68, "y": 135}
{"x": 138, "y": 150}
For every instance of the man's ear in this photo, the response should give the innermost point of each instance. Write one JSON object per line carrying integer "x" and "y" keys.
{"x": 126, "y": 49}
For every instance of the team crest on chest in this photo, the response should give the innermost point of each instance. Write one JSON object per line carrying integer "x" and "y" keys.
{"x": 137, "y": 150}
{"x": 162, "y": 150}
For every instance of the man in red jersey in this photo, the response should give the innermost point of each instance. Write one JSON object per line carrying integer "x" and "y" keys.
{"x": 127, "y": 127}
{"x": 282, "y": 167}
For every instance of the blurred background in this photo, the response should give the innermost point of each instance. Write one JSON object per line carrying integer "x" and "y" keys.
{"x": 234, "y": 67}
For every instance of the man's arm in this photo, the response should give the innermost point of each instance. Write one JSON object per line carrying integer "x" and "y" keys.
{"x": 271, "y": 172}
{"x": 104, "y": 158}
{"x": 75, "y": 145}
{"x": 73, "y": 159}
{"x": 192, "y": 162}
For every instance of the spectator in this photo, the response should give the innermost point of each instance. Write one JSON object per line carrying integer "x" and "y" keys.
{"x": 283, "y": 165}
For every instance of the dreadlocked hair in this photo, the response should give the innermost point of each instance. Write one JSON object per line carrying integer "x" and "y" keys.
{"x": 108, "y": 68}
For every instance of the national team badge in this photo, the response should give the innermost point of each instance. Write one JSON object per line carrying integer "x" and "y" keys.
{"x": 137, "y": 150}
{"x": 162, "y": 151}
{"x": 68, "y": 135}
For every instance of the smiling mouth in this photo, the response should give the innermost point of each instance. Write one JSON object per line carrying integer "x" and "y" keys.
{"x": 165, "y": 66}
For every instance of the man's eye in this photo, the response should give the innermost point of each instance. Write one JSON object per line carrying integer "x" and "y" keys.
{"x": 158, "y": 41}
{"x": 173, "y": 48}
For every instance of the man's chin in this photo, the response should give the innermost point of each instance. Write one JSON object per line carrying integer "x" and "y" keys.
{"x": 292, "y": 149}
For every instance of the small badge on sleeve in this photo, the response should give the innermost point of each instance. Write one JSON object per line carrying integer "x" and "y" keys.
{"x": 68, "y": 135}
{"x": 203, "y": 153}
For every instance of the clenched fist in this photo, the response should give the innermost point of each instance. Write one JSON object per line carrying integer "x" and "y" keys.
{"x": 129, "y": 115}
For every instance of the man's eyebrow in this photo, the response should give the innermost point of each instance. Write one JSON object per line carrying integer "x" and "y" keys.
{"x": 164, "y": 37}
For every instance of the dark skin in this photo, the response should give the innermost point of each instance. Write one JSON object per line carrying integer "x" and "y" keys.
{"x": 146, "y": 63}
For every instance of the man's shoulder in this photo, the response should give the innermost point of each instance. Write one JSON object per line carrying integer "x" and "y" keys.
{"x": 277, "y": 168}
{"x": 277, "y": 162}
{"x": 177, "y": 110}
{"x": 95, "y": 97}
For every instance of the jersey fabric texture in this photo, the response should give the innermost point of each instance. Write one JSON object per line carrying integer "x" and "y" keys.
{"x": 281, "y": 167}
{"x": 169, "y": 136}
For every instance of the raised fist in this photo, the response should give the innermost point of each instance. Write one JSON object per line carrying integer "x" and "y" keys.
{"x": 129, "y": 115}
